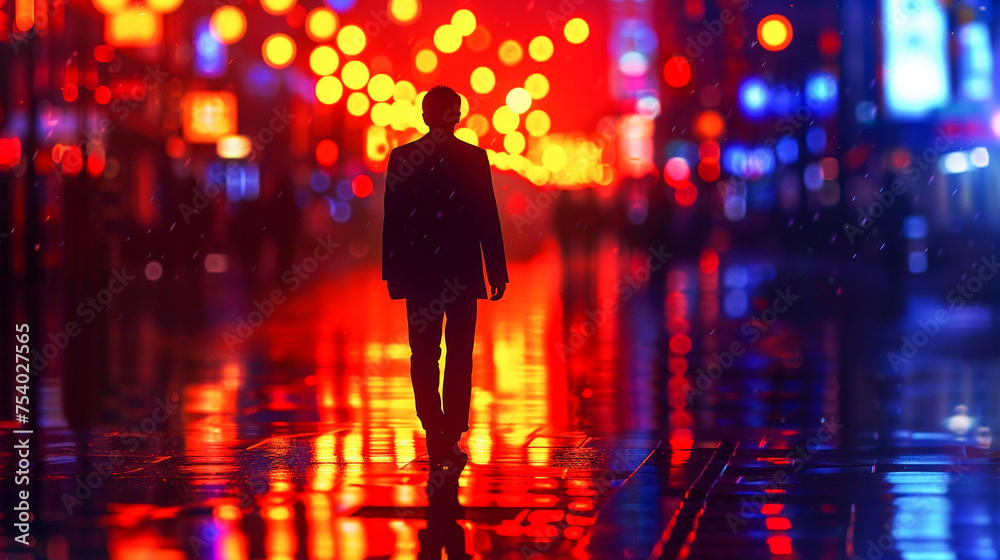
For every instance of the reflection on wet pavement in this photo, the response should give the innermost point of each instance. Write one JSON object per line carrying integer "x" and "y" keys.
{"x": 694, "y": 416}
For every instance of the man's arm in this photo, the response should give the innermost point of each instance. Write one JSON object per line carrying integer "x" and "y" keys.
{"x": 389, "y": 225}
{"x": 488, "y": 221}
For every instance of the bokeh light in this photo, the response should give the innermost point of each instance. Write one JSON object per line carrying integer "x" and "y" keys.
{"x": 404, "y": 90}
{"x": 110, "y": 6}
{"x": 576, "y": 31}
{"x": 278, "y": 50}
{"x": 324, "y": 60}
{"x": 277, "y": 7}
{"x": 540, "y": 48}
{"x": 447, "y": 39}
{"x": 357, "y": 104}
{"x": 354, "y": 74}
{"x": 380, "y": 87}
{"x": 467, "y": 135}
{"x": 479, "y": 40}
{"x": 321, "y": 24}
{"x": 537, "y": 123}
{"x": 554, "y": 158}
{"x": 404, "y": 12}
{"x": 351, "y": 40}
{"x": 482, "y": 80}
{"x": 227, "y": 24}
{"x": 329, "y": 90}
{"x": 710, "y": 124}
{"x": 514, "y": 142}
{"x": 164, "y": 6}
{"x": 478, "y": 124}
{"x": 505, "y": 121}
{"x": 362, "y": 186}
{"x": 518, "y": 100}
{"x": 774, "y": 32}
{"x": 537, "y": 86}
{"x": 677, "y": 71}
{"x": 426, "y": 61}
{"x": 327, "y": 152}
{"x": 381, "y": 114}
{"x": 464, "y": 22}
{"x": 510, "y": 52}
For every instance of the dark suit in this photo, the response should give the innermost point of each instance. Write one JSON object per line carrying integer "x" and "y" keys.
{"x": 440, "y": 223}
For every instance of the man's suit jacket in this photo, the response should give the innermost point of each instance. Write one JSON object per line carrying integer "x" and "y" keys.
{"x": 439, "y": 211}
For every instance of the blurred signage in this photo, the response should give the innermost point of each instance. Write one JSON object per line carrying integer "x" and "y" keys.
{"x": 916, "y": 69}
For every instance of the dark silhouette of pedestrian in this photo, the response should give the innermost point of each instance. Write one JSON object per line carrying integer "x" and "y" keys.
{"x": 441, "y": 223}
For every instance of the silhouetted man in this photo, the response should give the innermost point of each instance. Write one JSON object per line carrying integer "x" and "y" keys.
{"x": 439, "y": 211}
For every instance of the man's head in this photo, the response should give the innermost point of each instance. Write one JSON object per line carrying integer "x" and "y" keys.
{"x": 442, "y": 108}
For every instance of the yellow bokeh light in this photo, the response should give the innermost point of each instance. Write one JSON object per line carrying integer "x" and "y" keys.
{"x": 774, "y": 32}
{"x": 514, "y": 142}
{"x": 447, "y": 39}
{"x": 464, "y": 22}
{"x": 110, "y": 6}
{"x": 164, "y": 6}
{"x": 467, "y": 135}
{"x": 355, "y": 74}
{"x": 510, "y": 52}
{"x": 426, "y": 61}
{"x": 357, "y": 104}
{"x": 537, "y": 86}
{"x": 540, "y": 48}
{"x": 401, "y": 115}
{"x": 537, "y": 123}
{"x": 478, "y": 124}
{"x": 351, "y": 40}
{"x": 321, "y": 24}
{"x": 329, "y": 90}
{"x": 463, "y": 107}
{"x": 519, "y": 100}
{"x": 277, "y": 7}
{"x": 538, "y": 175}
{"x": 554, "y": 158}
{"x": 404, "y": 90}
{"x": 576, "y": 31}
{"x": 278, "y": 50}
{"x": 381, "y": 114}
{"x": 227, "y": 24}
{"x": 404, "y": 12}
{"x": 324, "y": 60}
{"x": 482, "y": 80}
{"x": 505, "y": 121}
{"x": 380, "y": 87}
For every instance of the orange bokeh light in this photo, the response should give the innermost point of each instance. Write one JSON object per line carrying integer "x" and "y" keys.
{"x": 208, "y": 116}
{"x": 321, "y": 24}
{"x": 227, "y": 24}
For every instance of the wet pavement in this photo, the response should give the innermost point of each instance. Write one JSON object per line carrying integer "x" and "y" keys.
{"x": 690, "y": 410}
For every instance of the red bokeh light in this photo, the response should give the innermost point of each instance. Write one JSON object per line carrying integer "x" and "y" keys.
{"x": 327, "y": 152}
{"x": 709, "y": 169}
{"x": 362, "y": 186}
{"x": 70, "y": 92}
{"x": 829, "y": 42}
{"x": 686, "y": 194}
{"x": 677, "y": 71}
{"x": 680, "y": 344}
{"x": 709, "y": 261}
{"x": 102, "y": 95}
